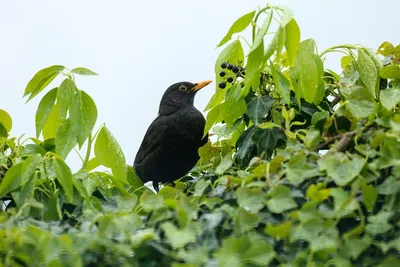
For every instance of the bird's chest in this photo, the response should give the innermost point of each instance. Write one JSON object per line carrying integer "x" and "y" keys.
{"x": 187, "y": 129}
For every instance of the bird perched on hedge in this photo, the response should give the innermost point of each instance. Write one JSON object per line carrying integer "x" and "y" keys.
{"x": 169, "y": 147}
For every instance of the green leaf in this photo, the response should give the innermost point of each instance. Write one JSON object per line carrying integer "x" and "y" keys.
{"x": 378, "y": 224}
{"x": 360, "y": 108}
{"x": 292, "y": 40}
{"x": 254, "y": 63}
{"x": 226, "y": 163}
{"x": 178, "y": 237}
{"x": 318, "y": 194}
{"x": 234, "y": 105}
{"x": 52, "y": 123}
{"x": 238, "y": 26}
{"x": 279, "y": 231}
{"x": 368, "y": 71}
{"x": 3, "y": 131}
{"x": 308, "y": 46}
{"x": 200, "y": 187}
{"x": 65, "y": 95}
{"x": 52, "y": 211}
{"x": 66, "y": 138}
{"x": 11, "y": 180}
{"x": 355, "y": 246}
{"x": 83, "y": 116}
{"x": 251, "y": 199}
{"x": 308, "y": 76}
{"x": 340, "y": 168}
{"x": 233, "y": 54}
{"x": 246, "y": 221}
{"x": 5, "y": 120}
{"x": 258, "y": 108}
{"x": 126, "y": 204}
{"x": 281, "y": 200}
{"x": 41, "y": 79}
{"x": 318, "y": 116}
{"x": 213, "y": 116}
{"x": 262, "y": 32}
{"x": 298, "y": 170}
{"x": 44, "y": 110}
{"x": 29, "y": 167}
{"x": 386, "y": 49}
{"x": 370, "y": 195}
{"x": 273, "y": 45}
{"x": 83, "y": 71}
{"x": 287, "y": 17}
{"x": 390, "y": 72}
{"x": 109, "y": 153}
{"x": 64, "y": 176}
{"x": 282, "y": 84}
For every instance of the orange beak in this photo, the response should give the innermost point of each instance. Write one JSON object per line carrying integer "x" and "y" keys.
{"x": 201, "y": 85}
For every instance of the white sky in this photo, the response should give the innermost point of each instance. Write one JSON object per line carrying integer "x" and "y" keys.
{"x": 139, "y": 48}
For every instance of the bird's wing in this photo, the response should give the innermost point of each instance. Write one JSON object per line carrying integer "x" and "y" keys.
{"x": 152, "y": 138}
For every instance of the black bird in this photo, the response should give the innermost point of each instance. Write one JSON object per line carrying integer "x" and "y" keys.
{"x": 169, "y": 147}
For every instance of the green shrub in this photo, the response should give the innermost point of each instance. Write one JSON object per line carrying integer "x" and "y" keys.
{"x": 304, "y": 169}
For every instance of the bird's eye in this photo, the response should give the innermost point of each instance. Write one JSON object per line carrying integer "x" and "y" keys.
{"x": 182, "y": 88}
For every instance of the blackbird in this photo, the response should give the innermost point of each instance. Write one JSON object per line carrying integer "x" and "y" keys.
{"x": 169, "y": 147}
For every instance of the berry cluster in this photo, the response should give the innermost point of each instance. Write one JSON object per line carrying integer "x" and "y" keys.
{"x": 232, "y": 69}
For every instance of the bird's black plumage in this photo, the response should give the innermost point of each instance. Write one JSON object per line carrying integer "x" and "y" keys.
{"x": 170, "y": 146}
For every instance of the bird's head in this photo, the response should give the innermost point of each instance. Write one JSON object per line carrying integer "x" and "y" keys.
{"x": 180, "y": 95}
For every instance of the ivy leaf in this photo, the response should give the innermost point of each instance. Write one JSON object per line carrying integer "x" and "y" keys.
{"x": 213, "y": 117}
{"x": 251, "y": 199}
{"x": 5, "y": 120}
{"x": 44, "y": 110}
{"x": 83, "y": 116}
{"x": 355, "y": 246}
{"x": 368, "y": 72}
{"x": 109, "y": 154}
{"x": 279, "y": 231}
{"x": 262, "y": 32}
{"x": 238, "y": 26}
{"x": 178, "y": 237}
{"x": 65, "y": 95}
{"x": 292, "y": 40}
{"x": 41, "y": 79}
{"x": 370, "y": 195}
{"x": 226, "y": 163}
{"x": 281, "y": 200}
{"x": 360, "y": 108}
{"x": 258, "y": 108}
{"x": 83, "y": 71}
{"x": 245, "y": 221}
{"x": 297, "y": 169}
{"x": 341, "y": 169}
{"x": 378, "y": 224}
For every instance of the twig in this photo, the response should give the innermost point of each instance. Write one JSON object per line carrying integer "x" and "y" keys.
{"x": 336, "y": 137}
{"x": 335, "y": 101}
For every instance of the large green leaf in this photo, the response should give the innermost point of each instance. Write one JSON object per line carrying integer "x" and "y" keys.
{"x": 65, "y": 95}
{"x": 281, "y": 200}
{"x": 368, "y": 71}
{"x": 44, "y": 109}
{"x": 109, "y": 154}
{"x": 64, "y": 176}
{"x": 292, "y": 40}
{"x": 298, "y": 170}
{"x": 308, "y": 76}
{"x": 66, "y": 138}
{"x": 250, "y": 199}
{"x": 233, "y": 54}
{"x": 41, "y": 79}
{"x": 390, "y": 98}
{"x": 12, "y": 180}
{"x": 83, "y": 116}
{"x": 234, "y": 105}
{"x": 262, "y": 31}
{"x": 258, "y": 107}
{"x": 5, "y": 120}
{"x": 52, "y": 123}
{"x": 238, "y": 26}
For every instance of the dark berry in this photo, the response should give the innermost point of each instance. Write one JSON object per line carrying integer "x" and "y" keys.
{"x": 222, "y": 85}
{"x": 222, "y": 73}
{"x": 223, "y": 65}
{"x": 235, "y": 69}
{"x": 230, "y": 66}
{"x": 230, "y": 80}
{"x": 243, "y": 73}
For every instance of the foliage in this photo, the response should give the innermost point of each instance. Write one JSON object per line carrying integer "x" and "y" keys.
{"x": 304, "y": 169}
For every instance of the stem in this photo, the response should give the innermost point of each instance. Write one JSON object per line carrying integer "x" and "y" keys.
{"x": 254, "y": 24}
{"x": 331, "y": 49}
{"x": 88, "y": 149}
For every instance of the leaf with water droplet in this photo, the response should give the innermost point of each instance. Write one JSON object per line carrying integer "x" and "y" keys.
{"x": 368, "y": 71}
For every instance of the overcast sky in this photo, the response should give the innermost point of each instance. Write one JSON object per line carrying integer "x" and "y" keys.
{"x": 139, "y": 48}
